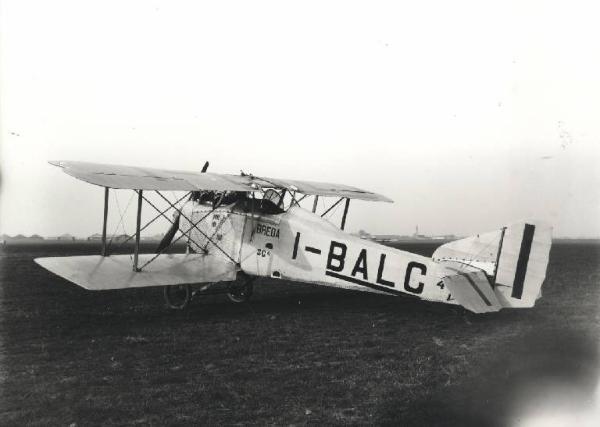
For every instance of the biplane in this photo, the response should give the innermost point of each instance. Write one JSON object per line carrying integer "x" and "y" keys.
{"x": 237, "y": 228}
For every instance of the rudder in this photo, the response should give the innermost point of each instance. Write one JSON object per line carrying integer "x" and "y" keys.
{"x": 522, "y": 264}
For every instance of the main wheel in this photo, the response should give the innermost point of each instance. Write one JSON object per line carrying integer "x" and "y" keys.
{"x": 242, "y": 293}
{"x": 178, "y": 296}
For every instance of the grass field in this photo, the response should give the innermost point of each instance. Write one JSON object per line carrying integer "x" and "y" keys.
{"x": 295, "y": 354}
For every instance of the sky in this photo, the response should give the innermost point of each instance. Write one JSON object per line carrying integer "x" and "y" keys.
{"x": 469, "y": 115}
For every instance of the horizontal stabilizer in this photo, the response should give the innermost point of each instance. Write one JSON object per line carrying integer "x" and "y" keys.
{"x": 95, "y": 272}
{"x": 479, "y": 252}
{"x": 473, "y": 291}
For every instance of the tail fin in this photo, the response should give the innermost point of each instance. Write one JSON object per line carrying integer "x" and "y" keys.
{"x": 514, "y": 258}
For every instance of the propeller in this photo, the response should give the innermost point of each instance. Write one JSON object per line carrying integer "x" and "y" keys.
{"x": 194, "y": 195}
{"x": 168, "y": 237}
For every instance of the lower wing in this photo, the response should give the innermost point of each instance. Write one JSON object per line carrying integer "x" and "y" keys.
{"x": 95, "y": 272}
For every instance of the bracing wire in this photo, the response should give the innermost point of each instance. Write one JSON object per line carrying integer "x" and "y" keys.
{"x": 121, "y": 215}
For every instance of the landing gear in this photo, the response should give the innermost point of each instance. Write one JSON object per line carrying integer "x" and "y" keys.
{"x": 178, "y": 297}
{"x": 241, "y": 293}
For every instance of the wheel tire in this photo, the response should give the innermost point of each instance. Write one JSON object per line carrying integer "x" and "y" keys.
{"x": 241, "y": 294}
{"x": 178, "y": 297}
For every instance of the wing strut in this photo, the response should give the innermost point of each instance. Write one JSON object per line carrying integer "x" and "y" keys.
{"x": 104, "y": 222}
{"x": 346, "y": 206}
{"x": 332, "y": 206}
{"x": 137, "y": 231}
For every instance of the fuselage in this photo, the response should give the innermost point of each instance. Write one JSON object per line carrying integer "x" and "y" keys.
{"x": 299, "y": 245}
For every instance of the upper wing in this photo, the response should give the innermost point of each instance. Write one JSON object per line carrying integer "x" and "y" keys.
{"x": 324, "y": 189}
{"x": 138, "y": 178}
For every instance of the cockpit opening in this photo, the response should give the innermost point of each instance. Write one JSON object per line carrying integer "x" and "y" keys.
{"x": 269, "y": 203}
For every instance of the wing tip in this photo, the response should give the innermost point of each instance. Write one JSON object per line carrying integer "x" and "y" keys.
{"x": 382, "y": 198}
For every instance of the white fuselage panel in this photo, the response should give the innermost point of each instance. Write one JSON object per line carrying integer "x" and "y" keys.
{"x": 300, "y": 246}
